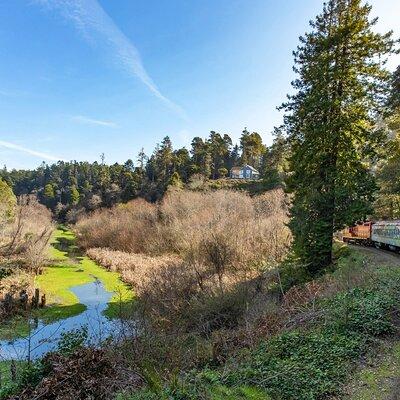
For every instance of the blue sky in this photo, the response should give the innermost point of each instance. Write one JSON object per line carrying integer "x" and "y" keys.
{"x": 83, "y": 77}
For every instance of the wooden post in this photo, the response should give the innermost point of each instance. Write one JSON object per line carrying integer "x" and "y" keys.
{"x": 43, "y": 301}
{"x": 37, "y": 297}
{"x": 23, "y": 299}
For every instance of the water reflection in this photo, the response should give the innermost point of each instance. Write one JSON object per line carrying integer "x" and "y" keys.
{"x": 44, "y": 338}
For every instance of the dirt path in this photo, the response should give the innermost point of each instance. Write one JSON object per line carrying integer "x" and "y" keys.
{"x": 379, "y": 257}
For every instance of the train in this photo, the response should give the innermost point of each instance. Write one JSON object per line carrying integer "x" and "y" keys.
{"x": 381, "y": 234}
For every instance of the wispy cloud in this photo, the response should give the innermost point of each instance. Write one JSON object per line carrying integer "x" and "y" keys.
{"x": 38, "y": 154}
{"x": 7, "y": 93}
{"x": 92, "y": 121}
{"x": 94, "y": 23}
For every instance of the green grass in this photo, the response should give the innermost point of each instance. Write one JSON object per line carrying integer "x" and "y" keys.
{"x": 5, "y": 370}
{"x": 57, "y": 280}
{"x": 56, "y": 254}
{"x": 14, "y": 328}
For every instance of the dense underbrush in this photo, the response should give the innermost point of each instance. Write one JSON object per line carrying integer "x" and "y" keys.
{"x": 302, "y": 344}
{"x": 314, "y": 352}
{"x": 201, "y": 255}
{"x": 220, "y": 315}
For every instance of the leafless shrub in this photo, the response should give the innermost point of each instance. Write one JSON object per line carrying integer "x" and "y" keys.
{"x": 220, "y": 240}
{"x": 74, "y": 215}
{"x": 23, "y": 247}
{"x": 15, "y": 283}
{"x": 134, "y": 268}
{"x": 125, "y": 227}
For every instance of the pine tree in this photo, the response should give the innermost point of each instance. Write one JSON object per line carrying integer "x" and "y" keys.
{"x": 49, "y": 195}
{"x": 330, "y": 126}
{"x": 387, "y": 205}
{"x": 218, "y": 147}
{"x": 8, "y": 203}
{"x": 252, "y": 148}
{"x": 73, "y": 195}
{"x": 175, "y": 181}
{"x": 394, "y": 97}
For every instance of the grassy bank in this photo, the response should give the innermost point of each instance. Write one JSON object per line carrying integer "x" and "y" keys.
{"x": 66, "y": 270}
{"x": 58, "y": 278}
{"x": 379, "y": 376}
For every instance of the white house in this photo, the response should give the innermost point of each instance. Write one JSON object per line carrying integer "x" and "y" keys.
{"x": 244, "y": 172}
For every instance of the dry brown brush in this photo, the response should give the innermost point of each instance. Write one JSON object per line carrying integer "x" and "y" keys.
{"x": 24, "y": 242}
{"x": 201, "y": 252}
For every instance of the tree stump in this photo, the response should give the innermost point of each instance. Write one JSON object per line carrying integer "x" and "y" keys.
{"x": 23, "y": 299}
{"x": 43, "y": 300}
{"x": 8, "y": 303}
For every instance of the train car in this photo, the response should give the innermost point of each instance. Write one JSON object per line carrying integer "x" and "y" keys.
{"x": 386, "y": 234}
{"x": 381, "y": 234}
{"x": 360, "y": 233}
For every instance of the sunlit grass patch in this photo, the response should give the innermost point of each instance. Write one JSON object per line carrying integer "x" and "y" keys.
{"x": 56, "y": 282}
{"x": 58, "y": 279}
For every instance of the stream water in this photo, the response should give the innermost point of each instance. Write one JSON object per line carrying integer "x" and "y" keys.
{"x": 44, "y": 338}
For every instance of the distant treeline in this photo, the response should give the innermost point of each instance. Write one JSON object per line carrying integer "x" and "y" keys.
{"x": 70, "y": 185}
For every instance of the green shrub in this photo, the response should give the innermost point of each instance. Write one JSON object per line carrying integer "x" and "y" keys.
{"x": 364, "y": 311}
{"x": 28, "y": 376}
{"x": 299, "y": 365}
{"x": 72, "y": 340}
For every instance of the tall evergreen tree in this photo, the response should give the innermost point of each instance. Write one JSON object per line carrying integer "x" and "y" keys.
{"x": 394, "y": 98}
{"x": 8, "y": 203}
{"x": 252, "y": 148}
{"x": 330, "y": 125}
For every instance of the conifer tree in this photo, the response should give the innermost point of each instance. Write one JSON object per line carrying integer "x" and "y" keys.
{"x": 329, "y": 122}
{"x": 8, "y": 203}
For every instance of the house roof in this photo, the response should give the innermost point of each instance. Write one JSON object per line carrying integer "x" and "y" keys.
{"x": 252, "y": 168}
{"x": 237, "y": 169}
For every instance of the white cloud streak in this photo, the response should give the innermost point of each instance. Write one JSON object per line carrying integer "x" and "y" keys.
{"x": 6, "y": 93}
{"x": 38, "y": 154}
{"x": 92, "y": 121}
{"x": 92, "y": 21}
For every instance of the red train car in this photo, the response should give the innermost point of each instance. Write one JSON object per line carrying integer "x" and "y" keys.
{"x": 360, "y": 233}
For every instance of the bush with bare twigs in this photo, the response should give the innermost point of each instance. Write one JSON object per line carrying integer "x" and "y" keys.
{"x": 218, "y": 241}
{"x": 126, "y": 227}
{"x": 24, "y": 241}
